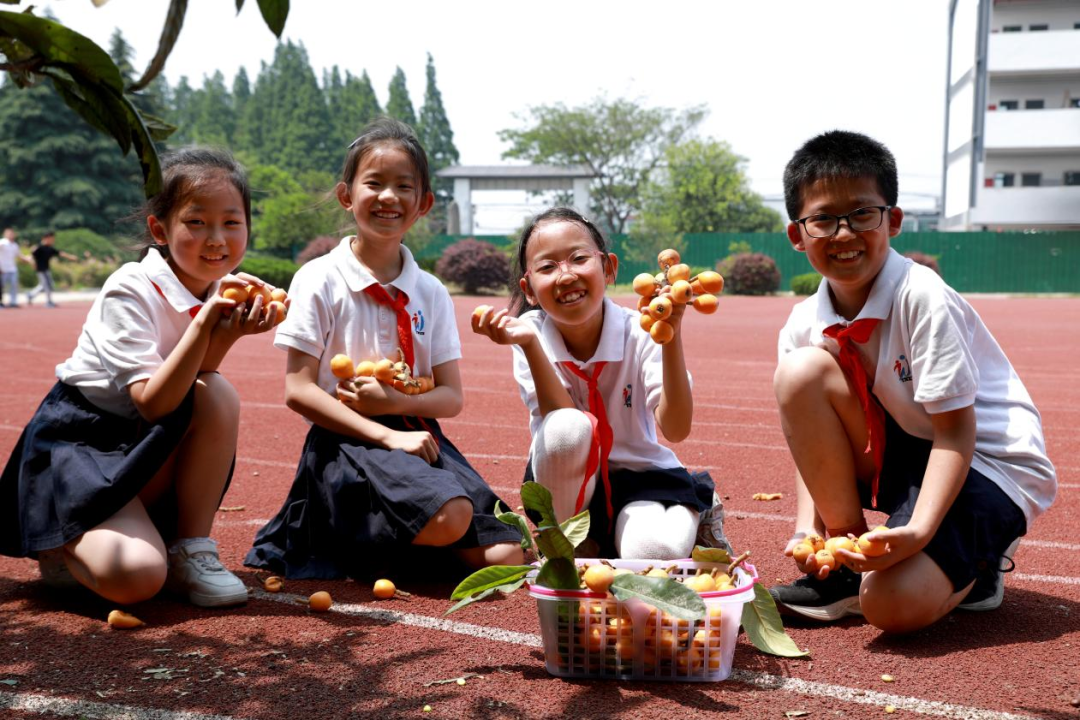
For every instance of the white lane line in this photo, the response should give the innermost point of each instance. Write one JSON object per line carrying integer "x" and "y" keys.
{"x": 1054, "y": 579}
{"x": 270, "y": 463}
{"x": 761, "y": 680}
{"x": 66, "y": 707}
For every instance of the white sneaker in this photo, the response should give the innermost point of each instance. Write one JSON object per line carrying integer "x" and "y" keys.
{"x": 196, "y": 572}
{"x": 710, "y": 531}
{"x": 54, "y": 571}
{"x": 989, "y": 588}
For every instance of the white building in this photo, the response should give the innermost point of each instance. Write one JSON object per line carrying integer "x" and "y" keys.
{"x": 1012, "y": 126}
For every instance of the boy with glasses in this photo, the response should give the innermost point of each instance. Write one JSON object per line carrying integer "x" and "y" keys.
{"x": 894, "y": 396}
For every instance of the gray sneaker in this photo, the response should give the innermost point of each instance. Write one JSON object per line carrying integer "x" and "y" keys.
{"x": 196, "y": 572}
{"x": 710, "y": 531}
{"x": 54, "y": 571}
{"x": 989, "y": 588}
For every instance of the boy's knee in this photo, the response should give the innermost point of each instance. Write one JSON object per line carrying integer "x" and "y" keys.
{"x": 801, "y": 370}
{"x": 450, "y": 522}
{"x": 895, "y": 607}
{"x": 215, "y": 397}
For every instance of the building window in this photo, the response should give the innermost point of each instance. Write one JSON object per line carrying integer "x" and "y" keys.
{"x": 1012, "y": 28}
{"x": 1004, "y": 179}
{"x": 1072, "y": 177}
{"x": 1074, "y": 102}
{"x": 1038, "y": 28}
{"x": 1009, "y": 105}
{"x": 1034, "y": 104}
{"x": 1030, "y": 179}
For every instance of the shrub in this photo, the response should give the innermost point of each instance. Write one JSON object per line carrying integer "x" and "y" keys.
{"x": 89, "y": 273}
{"x": 805, "y": 284}
{"x": 474, "y": 264}
{"x": 929, "y": 261}
{"x": 317, "y": 248}
{"x": 276, "y": 271}
{"x": 81, "y": 241}
{"x": 751, "y": 274}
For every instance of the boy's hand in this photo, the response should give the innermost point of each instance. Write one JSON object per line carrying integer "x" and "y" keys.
{"x": 809, "y": 566}
{"x": 500, "y": 328}
{"x": 369, "y": 397}
{"x": 420, "y": 444}
{"x": 903, "y": 542}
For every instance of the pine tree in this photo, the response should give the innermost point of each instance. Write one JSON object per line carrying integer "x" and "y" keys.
{"x": 399, "y": 105}
{"x": 241, "y": 92}
{"x": 185, "y": 100}
{"x": 58, "y": 172}
{"x": 360, "y": 105}
{"x": 335, "y": 105}
{"x": 214, "y": 122}
{"x": 436, "y": 136}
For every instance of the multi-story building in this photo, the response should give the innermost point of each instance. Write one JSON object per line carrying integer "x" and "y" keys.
{"x": 1012, "y": 128}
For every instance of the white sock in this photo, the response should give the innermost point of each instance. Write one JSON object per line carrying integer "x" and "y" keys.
{"x": 560, "y": 454}
{"x": 646, "y": 530}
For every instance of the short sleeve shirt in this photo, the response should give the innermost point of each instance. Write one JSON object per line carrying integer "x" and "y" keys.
{"x": 630, "y": 383}
{"x": 330, "y": 314}
{"x": 9, "y": 251}
{"x": 136, "y": 320}
{"x": 43, "y": 255}
{"x": 931, "y": 353}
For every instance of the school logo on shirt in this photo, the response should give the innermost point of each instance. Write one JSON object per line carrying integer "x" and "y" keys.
{"x": 418, "y": 322}
{"x": 627, "y": 394}
{"x": 902, "y": 369}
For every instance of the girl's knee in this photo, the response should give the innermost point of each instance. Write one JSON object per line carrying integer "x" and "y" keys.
{"x": 215, "y": 398}
{"x": 504, "y": 554}
{"x": 449, "y": 523}
{"x": 565, "y": 430}
{"x": 134, "y": 573}
{"x": 802, "y": 370}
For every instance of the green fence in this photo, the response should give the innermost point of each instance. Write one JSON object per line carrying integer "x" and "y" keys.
{"x": 970, "y": 262}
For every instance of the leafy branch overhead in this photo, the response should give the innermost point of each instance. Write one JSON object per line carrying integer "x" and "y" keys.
{"x": 90, "y": 83}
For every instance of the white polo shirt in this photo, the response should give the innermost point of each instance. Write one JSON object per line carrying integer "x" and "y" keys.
{"x": 630, "y": 384}
{"x": 930, "y": 354}
{"x": 129, "y": 332}
{"x": 330, "y": 314}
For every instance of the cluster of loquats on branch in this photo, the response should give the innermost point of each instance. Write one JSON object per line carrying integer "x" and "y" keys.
{"x": 673, "y": 284}
{"x": 397, "y": 374}
{"x": 246, "y": 294}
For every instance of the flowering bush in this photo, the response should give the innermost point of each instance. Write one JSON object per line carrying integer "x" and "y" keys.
{"x": 474, "y": 265}
{"x": 317, "y": 248}
{"x": 923, "y": 259}
{"x": 751, "y": 274}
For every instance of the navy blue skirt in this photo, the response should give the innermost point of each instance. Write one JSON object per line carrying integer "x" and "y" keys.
{"x": 355, "y": 508}
{"x": 667, "y": 486}
{"x": 76, "y": 465}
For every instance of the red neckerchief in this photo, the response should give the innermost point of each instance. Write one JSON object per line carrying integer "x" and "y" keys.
{"x": 602, "y": 438}
{"x": 859, "y": 332}
{"x": 191, "y": 311}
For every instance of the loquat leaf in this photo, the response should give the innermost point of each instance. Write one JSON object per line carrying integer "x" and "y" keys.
{"x": 713, "y": 555}
{"x": 536, "y": 497}
{"x": 514, "y": 520}
{"x": 469, "y": 600}
{"x": 576, "y": 528}
{"x": 559, "y": 574}
{"x": 553, "y": 544}
{"x": 763, "y": 626}
{"x": 665, "y": 594}
{"x": 490, "y": 577}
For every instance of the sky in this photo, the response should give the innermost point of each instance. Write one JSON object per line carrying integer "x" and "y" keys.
{"x": 772, "y": 73}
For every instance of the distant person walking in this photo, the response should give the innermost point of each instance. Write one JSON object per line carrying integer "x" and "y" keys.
{"x": 43, "y": 255}
{"x": 9, "y": 269}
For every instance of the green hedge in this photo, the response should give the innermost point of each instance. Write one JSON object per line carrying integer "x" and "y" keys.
{"x": 276, "y": 271}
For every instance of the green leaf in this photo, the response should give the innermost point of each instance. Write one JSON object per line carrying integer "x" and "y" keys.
{"x": 170, "y": 31}
{"x": 144, "y": 150}
{"x": 576, "y": 528}
{"x": 274, "y": 12}
{"x": 553, "y": 544}
{"x": 469, "y": 600}
{"x": 664, "y": 594}
{"x": 536, "y": 497}
{"x": 515, "y": 520}
{"x": 60, "y": 46}
{"x": 490, "y": 577}
{"x": 239, "y": 6}
{"x": 507, "y": 589}
{"x": 95, "y": 104}
{"x": 713, "y": 555}
{"x": 763, "y": 626}
{"x": 159, "y": 129}
{"x": 559, "y": 574}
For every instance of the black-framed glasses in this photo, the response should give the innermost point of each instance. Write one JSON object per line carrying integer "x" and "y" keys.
{"x": 860, "y": 220}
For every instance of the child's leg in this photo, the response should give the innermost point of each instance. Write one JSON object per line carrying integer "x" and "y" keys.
{"x": 826, "y": 431}
{"x": 560, "y": 455}
{"x": 647, "y": 530}
{"x": 909, "y": 595}
{"x": 123, "y": 559}
{"x": 449, "y": 523}
{"x": 507, "y": 553}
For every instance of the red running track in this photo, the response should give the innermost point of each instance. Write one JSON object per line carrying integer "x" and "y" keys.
{"x": 273, "y": 659}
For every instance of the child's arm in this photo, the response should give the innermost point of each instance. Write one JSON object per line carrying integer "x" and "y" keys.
{"x": 371, "y": 397}
{"x": 163, "y": 392}
{"x": 303, "y": 395}
{"x": 504, "y": 330}
{"x": 675, "y": 413}
{"x": 68, "y": 256}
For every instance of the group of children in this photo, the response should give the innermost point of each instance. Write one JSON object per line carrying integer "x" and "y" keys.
{"x": 40, "y": 257}
{"x": 115, "y": 481}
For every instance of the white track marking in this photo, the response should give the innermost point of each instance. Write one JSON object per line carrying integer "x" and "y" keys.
{"x": 66, "y": 707}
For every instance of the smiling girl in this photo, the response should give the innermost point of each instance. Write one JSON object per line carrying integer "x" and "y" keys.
{"x": 115, "y": 481}
{"x": 597, "y": 388}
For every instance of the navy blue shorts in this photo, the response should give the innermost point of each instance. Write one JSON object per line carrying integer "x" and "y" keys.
{"x": 355, "y": 508}
{"x": 76, "y": 465}
{"x": 976, "y": 530}
{"x": 667, "y": 486}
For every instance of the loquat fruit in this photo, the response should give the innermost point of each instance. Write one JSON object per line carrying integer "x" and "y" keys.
{"x": 668, "y": 257}
{"x": 342, "y": 366}
{"x": 660, "y": 308}
{"x": 282, "y": 311}
{"x": 834, "y": 544}
{"x": 824, "y": 558}
{"x": 365, "y": 368}
{"x": 801, "y": 551}
{"x": 643, "y": 302}
{"x": 278, "y": 295}
{"x": 646, "y": 321}
{"x": 681, "y": 292}
{"x": 598, "y": 578}
{"x": 384, "y": 370}
{"x": 645, "y": 285}
{"x": 711, "y": 282}
{"x": 236, "y": 294}
{"x": 320, "y": 601}
{"x": 705, "y": 304}
{"x": 662, "y": 332}
{"x": 273, "y": 584}
{"x": 815, "y": 541}
{"x": 700, "y": 583}
{"x": 871, "y": 548}
{"x": 678, "y": 272}
{"x": 480, "y": 310}
{"x": 384, "y": 589}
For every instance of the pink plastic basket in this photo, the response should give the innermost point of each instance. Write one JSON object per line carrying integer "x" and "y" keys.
{"x": 592, "y": 635}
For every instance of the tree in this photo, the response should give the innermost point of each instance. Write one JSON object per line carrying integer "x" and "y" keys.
{"x": 435, "y": 133}
{"x": 621, "y": 141}
{"x": 185, "y": 103}
{"x": 359, "y": 106}
{"x": 91, "y": 84}
{"x": 703, "y": 188}
{"x": 399, "y": 105}
{"x": 241, "y": 92}
{"x": 214, "y": 121}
